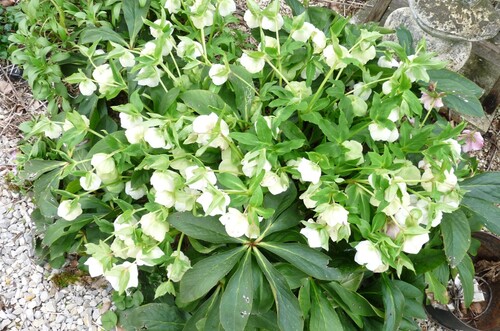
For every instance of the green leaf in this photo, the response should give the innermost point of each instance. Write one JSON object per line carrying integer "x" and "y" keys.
{"x": 405, "y": 39}
{"x": 231, "y": 181}
{"x": 287, "y": 306}
{"x": 353, "y": 301}
{"x": 323, "y": 315}
{"x": 199, "y": 317}
{"x": 205, "y": 274}
{"x": 134, "y": 14}
{"x": 452, "y": 82}
{"x": 62, "y": 228}
{"x": 242, "y": 84}
{"x": 305, "y": 258}
{"x": 466, "y": 273}
{"x": 153, "y": 317}
{"x": 108, "y": 320}
{"x": 296, "y": 6}
{"x": 438, "y": 289}
{"x": 485, "y": 186}
{"x": 91, "y": 35}
{"x": 464, "y": 104}
{"x": 414, "y": 300}
{"x": 456, "y": 236}
{"x": 207, "y": 228}
{"x": 204, "y": 102}
{"x": 393, "y": 303}
{"x": 485, "y": 212}
{"x": 236, "y": 302}
{"x": 35, "y": 168}
{"x": 43, "y": 196}
{"x": 164, "y": 288}
{"x": 428, "y": 259}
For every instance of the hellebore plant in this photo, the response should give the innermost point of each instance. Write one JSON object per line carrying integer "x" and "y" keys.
{"x": 285, "y": 180}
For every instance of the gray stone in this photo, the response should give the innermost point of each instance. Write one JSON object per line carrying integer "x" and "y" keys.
{"x": 455, "y": 53}
{"x": 471, "y": 20}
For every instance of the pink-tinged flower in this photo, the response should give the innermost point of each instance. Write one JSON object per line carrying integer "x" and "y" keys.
{"x": 431, "y": 101}
{"x": 473, "y": 141}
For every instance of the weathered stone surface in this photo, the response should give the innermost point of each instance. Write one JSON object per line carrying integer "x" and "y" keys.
{"x": 470, "y": 20}
{"x": 455, "y": 53}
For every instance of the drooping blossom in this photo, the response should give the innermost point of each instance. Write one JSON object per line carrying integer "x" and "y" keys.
{"x": 474, "y": 141}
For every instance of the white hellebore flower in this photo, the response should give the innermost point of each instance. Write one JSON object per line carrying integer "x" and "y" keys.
{"x": 355, "y": 151}
{"x": 157, "y": 32}
{"x": 214, "y": 202}
{"x": 149, "y": 76}
{"x": 90, "y": 182}
{"x": 87, "y": 87}
{"x": 226, "y": 7}
{"x": 96, "y": 268}
{"x": 272, "y": 23}
{"x": 103, "y": 75}
{"x": 309, "y": 171}
{"x": 52, "y": 130}
{"x": 148, "y": 257}
{"x": 269, "y": 42}
{"x": 129, "y": 121}
{"x": 154, "y": 137}
{"x": 235, "y": 222}
{"x": 69, "y": 209}
{"x": 413, "y": 243}
{"x": 275, "y": 184}
{"x": 219, "y": 74}
{"x": 250, "y": 163}
{"x": 306, "y": 196}
{"x": 253, "y": 62}
{"x": 199, "y": 178}
{"x": 313, "y": 237}
{"x": 332, "y": 214}
{"x": 368, "y": 255}
{"x": 173, "y": 6}
{"x": 178, "y": 268}
{"x": 165, "y": 180}
{"x": 204, "y": 18}
{"x": 135, "y": 193}
{"x": 252, "y": 20}
{"x": 334, "y": 60}
{"x": 303, "y": 33}
{"x": 105, "y": 167}
{"x": 118, "y": 272}
{"x": 135, "y": 134}
{"x": 189, "y": 48}
{"x": 381, "y": 133}
{"x": 153, "y": 226}
{"x": 127, "y": 60}
{"x": 205, "y": 126}
{"x": 319, "y": 40}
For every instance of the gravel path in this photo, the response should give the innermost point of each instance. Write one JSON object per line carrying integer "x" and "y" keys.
{"x": 28, "y": 299}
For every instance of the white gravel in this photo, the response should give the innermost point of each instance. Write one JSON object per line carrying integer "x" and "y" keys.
{"x": 28, "y": 299}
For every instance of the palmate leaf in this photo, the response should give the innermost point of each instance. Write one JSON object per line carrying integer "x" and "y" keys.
{"x": 483, "y": 211}
{"x": 456, "y": 236}
{"x": 289, "y": 313}
{"x": 205, "y": 274}
{"x": 485, "y": 186}
{"x": 309, "y": 260}
{"x": 236, "y": 302}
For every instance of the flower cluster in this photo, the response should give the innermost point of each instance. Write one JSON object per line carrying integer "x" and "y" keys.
{"x": 219, "y": 129}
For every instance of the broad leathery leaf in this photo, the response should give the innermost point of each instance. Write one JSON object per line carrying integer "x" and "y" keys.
{"x": 207, "y": 228}
{"x": 153, "y": 317}
{"x": 484, "y": 212}
{"x": 323, "y": 315}
{"x": 466, "y": 274}
{"x": 203, "y": 102}
{"x": 203, "y": 311}
{"x": 91, "y": 35}
{"x": 205, "y": 274}
{"x": 456, "y": 236}
{"x": 464, "y": 104}
{"x": 305, "y": 258}
{"x": 485, "y": 186}
{"x": 287, "y": 306}
{"x": 296, "y": 6}
{"x": 108, "y": 144}
{"x": 414, "y": 303}
{"x": 134, "y": 14}
{"x": 35, "y": 168}
{"x": 355, "y": 302}
{"x": 393, "y": 303}
{"x": 236, "y": 302}
{"x": 62, "y": 228}
{"x": 42, "y": 189}
{"x": 428, "y": 259}
{"x": 454, "y": 83}
{"x": 244, "y": 90}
